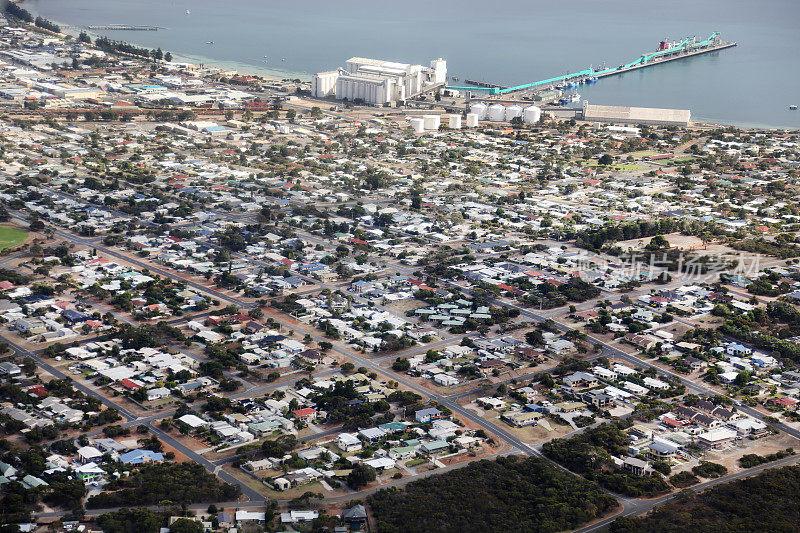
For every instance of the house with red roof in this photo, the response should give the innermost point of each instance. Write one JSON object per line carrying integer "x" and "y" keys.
{"x": 37, "y": 390}
{"x": 783, "y": 403}
{"x": 306, "y": 414}
{"x": 130, "y": 384}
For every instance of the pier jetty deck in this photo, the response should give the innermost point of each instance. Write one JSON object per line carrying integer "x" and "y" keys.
{"x": 126, "y": 27}
{"x": 688, "y": 47}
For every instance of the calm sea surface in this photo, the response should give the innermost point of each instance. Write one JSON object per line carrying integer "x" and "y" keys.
{"x": 508, "y": 42}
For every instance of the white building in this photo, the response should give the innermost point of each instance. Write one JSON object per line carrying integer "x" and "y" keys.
{"x": 655, "y": 384}
{"x": 348, "y": 442}
{"x": 378, "y": 82}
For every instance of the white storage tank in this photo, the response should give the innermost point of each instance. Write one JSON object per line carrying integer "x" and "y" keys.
{"x": 454, "y": 122}
{"x": 531, "y": 115}
{"x": 497, "y": 113}
{"x": 472, "y": 120}
{"x": 513, "y": 112}
{"x": 418, "y": 124}
{"x": 432, "y": 122}
{"x": 479, "y": 109}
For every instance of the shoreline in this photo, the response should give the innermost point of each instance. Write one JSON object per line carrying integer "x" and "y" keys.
{"x": 284, "y": 74}
{"x": 179, "y": 56}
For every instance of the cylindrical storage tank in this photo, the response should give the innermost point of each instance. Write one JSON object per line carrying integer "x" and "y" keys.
{"x": 432, "y": 122}
{"x": 497, "y": 113}
{"x": 479, "y": 109}
{"x": 472, "y": 120}
{"x": 418, "y": 124}
{"x": 531, "y": 115}
{"x": 513, "y": 112}
{"x": 454, "y": 122}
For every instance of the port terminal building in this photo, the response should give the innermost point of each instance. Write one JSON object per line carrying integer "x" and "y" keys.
{"x": 636, "y": 115}
{"x": 378, "y": 82}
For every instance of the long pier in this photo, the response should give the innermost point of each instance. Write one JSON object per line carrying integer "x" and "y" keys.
{"x": 477, "y": 83}
{"x": 688, "y": 47}
{"x": 126, "y": 27}
{"x": 666, "y": 59}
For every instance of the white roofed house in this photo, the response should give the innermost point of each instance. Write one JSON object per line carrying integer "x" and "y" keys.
{"x": 623, "y": 370}
{"x": 662, "y": 450}
{"x": 716, "y": 438}
{"x": 193, "y": 421}
{"x": 634, "y": 388}
{"x": 748, "y": 426}
{"x": 90, "y": 472}
{"x": 560, "y": 346}
{"x": 446, "y": 380}
{"x": 157, "y": 393}
{"x": 604, "y": 373}
{"x": 348, "y": 442}
{"x": 88, "y": 454}
{"x": 655, "y": 384}
{"x": 380, "y": 463}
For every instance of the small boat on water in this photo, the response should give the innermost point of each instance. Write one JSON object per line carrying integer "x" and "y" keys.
{"x": 593, "y": 79}
{"x": 793, "y": 107}
{"x": 209, "y": 42}
{"x": 188, "y": 12}
{"x": 570, "y": 98}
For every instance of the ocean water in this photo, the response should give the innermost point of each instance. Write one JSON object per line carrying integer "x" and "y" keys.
{"x": 513, "y": 42}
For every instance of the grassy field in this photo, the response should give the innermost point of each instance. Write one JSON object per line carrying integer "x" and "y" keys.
{"x": 644, "y": 153}
{"x": 10, "y": 237}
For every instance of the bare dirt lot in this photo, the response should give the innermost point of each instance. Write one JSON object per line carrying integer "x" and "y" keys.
{"x": 530, "y": 434}
{"x": 682, "y": 242}
{"x": 729, "y": 457}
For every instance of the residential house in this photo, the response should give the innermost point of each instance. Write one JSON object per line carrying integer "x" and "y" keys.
{"x": 348, "y": 442}
{"x": 716, "y": 438}
{"x": 426, "y": 415}
{"x": 137, "y": 457}
{"x": 307, "y": 414}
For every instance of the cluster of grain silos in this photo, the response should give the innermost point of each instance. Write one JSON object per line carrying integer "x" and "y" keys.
{"x": 500, "y": 113}
{"x": 531, "y": 115}
{"x": 432, "y": 122}
{"x": 497, "y": 113}
{"x": 477, "y": 112}
{"x": 480, "y": 110}
{"x": 512, "y": 112}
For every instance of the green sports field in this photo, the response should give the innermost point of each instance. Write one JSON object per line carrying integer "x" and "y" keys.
{"x": 10, "y": 237}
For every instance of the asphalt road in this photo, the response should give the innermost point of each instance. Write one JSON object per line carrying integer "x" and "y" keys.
{"x": 641, "y": 506}
{"x": 630, "y": 506}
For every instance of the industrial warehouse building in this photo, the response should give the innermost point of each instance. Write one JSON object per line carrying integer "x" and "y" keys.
{"x": 378, "y": 82}
{"x": 635, "y": 115}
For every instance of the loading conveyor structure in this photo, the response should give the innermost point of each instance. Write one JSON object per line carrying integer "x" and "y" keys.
{"x": 688, "y": 47}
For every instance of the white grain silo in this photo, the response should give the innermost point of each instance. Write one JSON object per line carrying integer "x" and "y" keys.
{"x": 513, "y": 112}
{"x": 531, "y": 115}
{"x": 497, "y": 113}
{"x": 480, "y": 110}
{"x": 418, "y": 124}
{"x": 454, "y": 122}
{"x": 432, "y": 122}
{"x": 472, "y": 120}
